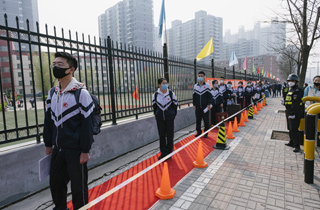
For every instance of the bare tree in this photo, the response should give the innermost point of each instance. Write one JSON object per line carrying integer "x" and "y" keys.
{"x": 288, "y": 60}
{"x": 304, "y": 17}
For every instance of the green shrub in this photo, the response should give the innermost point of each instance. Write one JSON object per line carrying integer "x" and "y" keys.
{"x": 5, "y": 104}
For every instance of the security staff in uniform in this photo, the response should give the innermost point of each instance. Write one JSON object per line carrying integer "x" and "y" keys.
{"x": 285, "y": 90}
{"x": 165, "y": 103}
{"x": 294, "y": 110}
{"x": 202, "y": 99}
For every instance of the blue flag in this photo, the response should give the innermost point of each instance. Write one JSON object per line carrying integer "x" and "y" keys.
{"x": 162, "y": 18}
{"x": 233, "y": 59}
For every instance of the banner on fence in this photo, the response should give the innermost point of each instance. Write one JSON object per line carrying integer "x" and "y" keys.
{"x": 234, "y": 82}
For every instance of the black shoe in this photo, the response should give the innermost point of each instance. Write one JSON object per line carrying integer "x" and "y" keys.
{"x": 205, "y": 135}
{"x": 160, "y": 157}
{"x": 289, "y": 144}
{"x": 297, "y": 149}
{"x": 198, "y": 134}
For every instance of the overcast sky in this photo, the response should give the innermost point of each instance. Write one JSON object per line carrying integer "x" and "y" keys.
{"x": 82, "y": 15}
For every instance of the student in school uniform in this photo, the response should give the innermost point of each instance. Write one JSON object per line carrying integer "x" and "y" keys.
{"x": 249, "y": 93}
{"x": 202, "y": 99}
{"x": 217, "y": 101}
{"x": 223, "y": 90}
{"x": 165, "y": 103}
{"x": 240, "y": 94}
{"x": 231, "y": 94}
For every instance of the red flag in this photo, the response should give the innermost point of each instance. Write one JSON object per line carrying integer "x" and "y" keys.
{"x": 258, "y": 70}
{"x": 135, "y": 94}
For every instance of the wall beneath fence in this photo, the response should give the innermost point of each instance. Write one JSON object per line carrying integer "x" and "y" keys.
{"x": 19, "y": 174}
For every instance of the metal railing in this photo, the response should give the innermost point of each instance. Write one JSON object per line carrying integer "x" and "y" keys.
{"x": 111, "y": 71}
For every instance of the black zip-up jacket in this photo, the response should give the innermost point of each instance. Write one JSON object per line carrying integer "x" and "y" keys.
{"x": 164, "y": 107}
{"x": 67, "y": 125}
{"x": 217, "y": 98}
{"x": 202, "y": 95}
{"x": 293, "y": 101}
{"x": 223, "y": 88}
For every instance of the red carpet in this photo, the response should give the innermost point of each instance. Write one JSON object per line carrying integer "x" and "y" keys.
{"x": 140, "y": 194}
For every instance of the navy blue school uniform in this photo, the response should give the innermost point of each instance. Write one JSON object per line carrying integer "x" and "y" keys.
{"x": 217, "y": 100}
{"x": 240, "y": 95}
{"x": 201, "y": 99}
{"x": 165, "y": 110}
{"x": 258, "y": 95}
{"x": 223, "y": 90}
{"x": 248, "y": 94}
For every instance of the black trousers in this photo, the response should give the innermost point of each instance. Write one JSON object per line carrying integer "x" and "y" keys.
{"x": 199, "y": 116}
{"x": 248, "y": 101}
{"x": 215, "y": 109}
{"x": 240, "y": 101}
{"x": 166, "y": 134}
{"x": 65, "y": 167}
{"x": 293, "y": 126}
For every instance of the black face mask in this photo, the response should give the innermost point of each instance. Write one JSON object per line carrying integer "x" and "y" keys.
{"x": 316, "y": 84}
{"x": 59, "y": 72}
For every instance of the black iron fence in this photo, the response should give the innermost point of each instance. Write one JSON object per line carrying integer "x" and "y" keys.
{"x": 123, "y": 77}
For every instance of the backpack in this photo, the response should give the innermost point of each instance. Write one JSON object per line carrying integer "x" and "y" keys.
{"x": 96, "y": 121}
{"x": 170, "y": 94}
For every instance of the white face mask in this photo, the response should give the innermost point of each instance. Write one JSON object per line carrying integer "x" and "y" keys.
{"x": 221, "y": 81}
{"x": 291, "y": 84}
{"x": 216, "y": 85}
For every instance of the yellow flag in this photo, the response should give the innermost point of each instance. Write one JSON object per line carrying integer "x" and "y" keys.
{"x": 207, "y": 50}
{"x": 262, "y": 70}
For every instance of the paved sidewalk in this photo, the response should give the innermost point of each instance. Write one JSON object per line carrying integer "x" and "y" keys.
{"x": 256, "y": 173}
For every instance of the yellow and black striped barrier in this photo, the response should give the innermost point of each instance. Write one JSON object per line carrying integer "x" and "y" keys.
{"x": 311, "y": 125}
{"x": 221, "y": 140}
{"x": 250, "y": 114}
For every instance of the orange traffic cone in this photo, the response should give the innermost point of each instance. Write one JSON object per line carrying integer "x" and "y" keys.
{"x": 246, "y": 116}
{"x": 264, "y": 102}
{"x": 258, "y": 107}
{"x": 229, "y": 133}
{"x": 261, "y": 105}
{"x": 165, "y": 191}
{"x": 199, "y": 163}
{"x": 235, "y": 125}
{"x": 255, "y": 110}
{"x": 242, "y": 120}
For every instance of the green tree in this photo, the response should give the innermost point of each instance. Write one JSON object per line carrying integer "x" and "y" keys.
{"x": 42, "y": 72}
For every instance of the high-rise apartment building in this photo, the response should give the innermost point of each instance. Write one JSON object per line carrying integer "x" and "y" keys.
{"x": 262, "y": 40}
{"x": 129, "y": 22}
{"x": 23, "y": 9}
{"x": 185, "y": 40}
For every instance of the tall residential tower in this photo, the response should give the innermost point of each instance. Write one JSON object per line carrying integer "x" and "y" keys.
{"x": 185, "y": 40}
{"x": 129, "y": 22}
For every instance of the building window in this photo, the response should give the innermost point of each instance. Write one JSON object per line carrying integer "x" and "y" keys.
{"x": 18, "y": 66}
{"x": 19, "y": 74}
{"x": 31, "y": 83}
{"x": 20, "y": 83}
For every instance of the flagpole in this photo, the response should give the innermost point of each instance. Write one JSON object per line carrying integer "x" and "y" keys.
{"x": 165, "y": 31}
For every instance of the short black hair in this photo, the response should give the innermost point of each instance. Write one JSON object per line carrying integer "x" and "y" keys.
{"x": 214, "y": 81}
{"x": 72, "y": 61}
{"x": 201, "y": 72}
{"x": 318, "y": 76}
{"x": 161, "y": 80}
{"x": 229, "y": 82}
{"x": 221, "y": 77}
